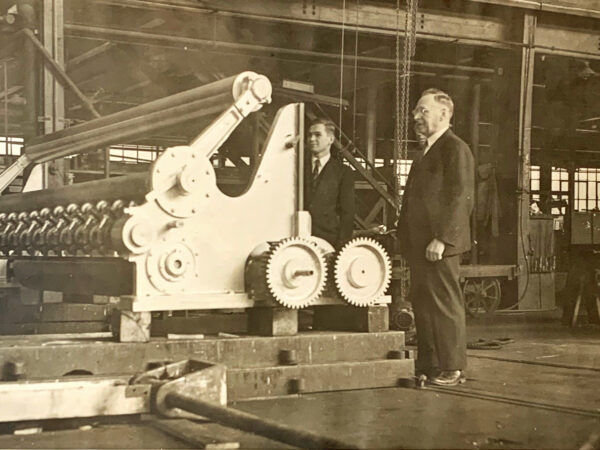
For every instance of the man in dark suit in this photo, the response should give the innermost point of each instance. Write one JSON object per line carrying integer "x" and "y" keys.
{"x": 433, "y": 230}
{"x": 329, "y": 187}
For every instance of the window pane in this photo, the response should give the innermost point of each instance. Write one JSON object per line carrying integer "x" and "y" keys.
{"x": 591, "y": 190}
{"x": 535, "y": 185}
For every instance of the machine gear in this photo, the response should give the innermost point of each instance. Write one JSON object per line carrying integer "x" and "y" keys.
{"x": 296, "y": 272}
{"x": 362, "y": 271}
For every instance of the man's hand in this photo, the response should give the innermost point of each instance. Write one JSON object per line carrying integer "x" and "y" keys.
{"x": 435, "y": 250}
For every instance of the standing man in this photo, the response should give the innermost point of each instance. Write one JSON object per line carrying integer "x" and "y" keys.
{"x": 433, "y": 230}
{"x": 329, "y": 187}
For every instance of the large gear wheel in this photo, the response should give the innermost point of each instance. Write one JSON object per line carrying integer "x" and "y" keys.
{"x": 362, "y": 271}
{"x": 296, "y": 272}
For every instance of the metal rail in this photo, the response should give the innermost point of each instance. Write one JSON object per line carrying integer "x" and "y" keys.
{"x": 462, "y": 392}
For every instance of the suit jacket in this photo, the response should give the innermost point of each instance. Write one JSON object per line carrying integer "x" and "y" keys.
{"x": 438, "y": 199}
{"x": 330, "y": 201}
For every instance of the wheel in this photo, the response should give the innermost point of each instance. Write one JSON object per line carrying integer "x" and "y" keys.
{"x": 295, "y": 272}
{"x": 482, "y": 295}
{"x": 362, "y": 271}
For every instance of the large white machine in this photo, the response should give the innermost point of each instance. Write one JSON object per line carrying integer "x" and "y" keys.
{"x": 170, "y": 239}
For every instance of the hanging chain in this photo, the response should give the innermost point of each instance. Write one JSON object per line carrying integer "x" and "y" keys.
{"x": 355, "y": 74}
{"x": 342, "y": 70}
{"x": 403, "y": 70}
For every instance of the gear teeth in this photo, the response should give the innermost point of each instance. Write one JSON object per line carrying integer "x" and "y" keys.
{"x": 340, "y": 277}
{"x": 272, "y": 271}
{"x": 256, "y": 275}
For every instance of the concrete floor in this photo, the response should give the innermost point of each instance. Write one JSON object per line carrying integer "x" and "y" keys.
{"x": 542, "y": 391}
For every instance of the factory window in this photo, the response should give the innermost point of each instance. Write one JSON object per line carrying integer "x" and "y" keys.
{"x": 534, "y": 174}
{"x": 10, "y": 146}
{"x": 405, "y": 165}
{"x": 586, "y": 188}
{"x": 559, "y": 187}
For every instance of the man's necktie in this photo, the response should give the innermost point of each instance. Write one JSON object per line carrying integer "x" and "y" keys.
{"x": 315, "y": 172}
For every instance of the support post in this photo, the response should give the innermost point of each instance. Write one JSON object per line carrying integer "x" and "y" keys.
{"x": 545, "y": 186}
{"x": 272, "y": 321}
{"x": 475, "y": 107}
{"x": 371, "y": 123}
{"x": 525, "y": 111}
{"x": 107, "y": 162}
{"x": 29, "y": 71}
{"x": 53, "y": 93}
{"x": 134, "y": 326}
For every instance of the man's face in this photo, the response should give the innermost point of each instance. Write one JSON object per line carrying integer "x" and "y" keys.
{"x": 319, "y": 140}
{"x": 429, "y": 115}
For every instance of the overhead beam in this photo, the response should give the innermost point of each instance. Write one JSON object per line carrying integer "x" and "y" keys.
{"x": 591, "y": 8}
{"x": 224, "y": 47}
{"x": 567, "y": 41}
{"x": 377, "y": 18}
{"x": 92, "y": 53}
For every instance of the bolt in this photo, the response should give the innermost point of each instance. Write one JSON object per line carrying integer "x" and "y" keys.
{"x": 288, "y": 357}
{"x": 395, "y": 354}
{"x": 14, "y": 370}
{"x": 297, "y": 385}
{"x": 175, "y": 224}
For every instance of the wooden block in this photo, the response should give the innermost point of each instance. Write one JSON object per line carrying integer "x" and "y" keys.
{"x": 30, "y": 296}
{"x": 53, "y": 328}
{"x": 13, "y": 311}
{"x": 78, "y": 298}
{"x": 52, "y": 297}
{"x": 73, "y": 312}
{"x": 134, "y": 326}
{"x": 372, "y": 319}
{"x": 62, "y": 398}
{"x": 262, "y": 382}
{"x": 267, "y": 321}
{"x": 70, "y": 327}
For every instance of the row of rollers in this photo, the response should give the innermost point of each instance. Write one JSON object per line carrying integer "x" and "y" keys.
{"x": 70, "y": 230}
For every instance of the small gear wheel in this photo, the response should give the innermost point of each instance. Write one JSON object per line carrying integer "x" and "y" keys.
{"x": 296, "y": 272}
{"x": 362, "y": 271}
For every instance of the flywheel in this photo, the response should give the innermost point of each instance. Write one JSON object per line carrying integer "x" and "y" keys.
{"x": 296, "y": 272}
{"x": 362, "y": 271}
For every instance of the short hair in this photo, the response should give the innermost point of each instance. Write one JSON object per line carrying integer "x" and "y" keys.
{"x": 440, "y": 97}
{"x": 328, "y": 124}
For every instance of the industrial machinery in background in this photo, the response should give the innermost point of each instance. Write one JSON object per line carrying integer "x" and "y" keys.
{"x": 169, "y": 239}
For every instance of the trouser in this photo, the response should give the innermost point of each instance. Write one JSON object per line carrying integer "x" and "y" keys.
{"x": 439, "y": 313}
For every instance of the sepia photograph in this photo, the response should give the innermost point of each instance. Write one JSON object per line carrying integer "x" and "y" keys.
{"x": 316, "y": 224}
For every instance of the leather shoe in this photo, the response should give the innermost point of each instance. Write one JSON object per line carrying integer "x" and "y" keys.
{"x": 449, "y": 378}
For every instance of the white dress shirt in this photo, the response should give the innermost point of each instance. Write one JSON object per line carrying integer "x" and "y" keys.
{"x": 433, "y": 138}
{"x": 322, "y": 161}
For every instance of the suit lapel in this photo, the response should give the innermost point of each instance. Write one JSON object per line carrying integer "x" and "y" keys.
{"x": 438, "y": 144}
{"x": 326, "y": 168}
